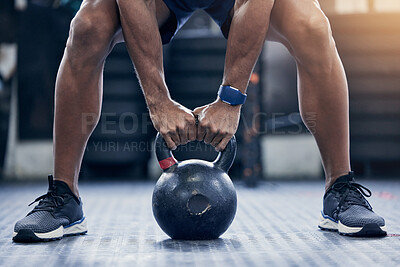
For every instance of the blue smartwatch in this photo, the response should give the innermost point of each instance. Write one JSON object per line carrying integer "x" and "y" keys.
{"x": 231, "y": 95}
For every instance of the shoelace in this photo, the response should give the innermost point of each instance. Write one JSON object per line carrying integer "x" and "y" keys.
{"x": 48, "y": 202}
{"x": 353, "y": 195}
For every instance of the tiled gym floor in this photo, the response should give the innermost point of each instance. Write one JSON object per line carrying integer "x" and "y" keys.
{"x": 275, "y": 225}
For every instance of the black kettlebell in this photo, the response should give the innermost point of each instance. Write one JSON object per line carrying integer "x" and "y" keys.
{"x": 194, "y": 199}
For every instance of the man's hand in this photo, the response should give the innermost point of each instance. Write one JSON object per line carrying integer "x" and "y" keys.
{"x": 174, "y": 122}
{"x": 217, "y": 123}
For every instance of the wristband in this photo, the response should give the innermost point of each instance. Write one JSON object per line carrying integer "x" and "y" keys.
{"x": 231, "y": 95}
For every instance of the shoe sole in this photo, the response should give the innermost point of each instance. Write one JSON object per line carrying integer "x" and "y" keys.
{"x": 368, "y": 230}
{"x": 27, "y": 235}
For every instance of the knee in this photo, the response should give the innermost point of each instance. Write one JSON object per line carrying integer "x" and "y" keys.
{"x": 89, "y": 37}
{"x": 313, "y": 44}
{"x": 316, "y": 28}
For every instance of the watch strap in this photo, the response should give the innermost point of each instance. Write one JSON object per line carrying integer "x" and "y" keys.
{"x": 231, "y": 95}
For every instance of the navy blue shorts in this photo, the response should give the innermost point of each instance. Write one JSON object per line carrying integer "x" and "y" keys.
{"x": 181, "y": 10}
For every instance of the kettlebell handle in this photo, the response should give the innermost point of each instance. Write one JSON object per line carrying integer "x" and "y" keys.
{"x": 166, "y": 159}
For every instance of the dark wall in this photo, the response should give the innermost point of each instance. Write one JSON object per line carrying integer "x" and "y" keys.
{"x": 41, "y": 41}
{"x": 8, "y": 21}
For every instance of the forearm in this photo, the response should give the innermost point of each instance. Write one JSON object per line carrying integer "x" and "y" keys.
{"x": 247, "y": 34}
{"x": 144, "y": 44}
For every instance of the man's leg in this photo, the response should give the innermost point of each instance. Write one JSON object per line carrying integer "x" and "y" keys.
{"x": 78, "y": 94}
{"x": 94, "y": 31}
{"x": 323, "y": 95}
{"x": 302, "y": 27}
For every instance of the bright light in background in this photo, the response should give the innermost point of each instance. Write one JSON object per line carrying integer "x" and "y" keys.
{"x": 351, "y": 6}
{"x": 362, "y": 6}
{"x": 387, "y": 5}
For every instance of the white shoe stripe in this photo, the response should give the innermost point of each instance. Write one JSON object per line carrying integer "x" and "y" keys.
{"x": 326, "y": 223}
{"x": 352, "y": 230}
{"x": 60, "y": 231}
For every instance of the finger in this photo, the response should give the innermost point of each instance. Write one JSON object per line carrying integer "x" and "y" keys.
{"x": 217, "y": 139}
{"x": 222, "y": 145}
{"x": 183, "y": 135}
{"x": 201, "y": 133}
{"x": 170, "y": 144}
{"x": 192, "y": 132}
{"x": 209, "y": 136}
{"x": 175, "y": 138}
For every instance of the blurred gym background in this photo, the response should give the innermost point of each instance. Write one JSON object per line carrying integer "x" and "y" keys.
{"x": 273, "y": 143}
